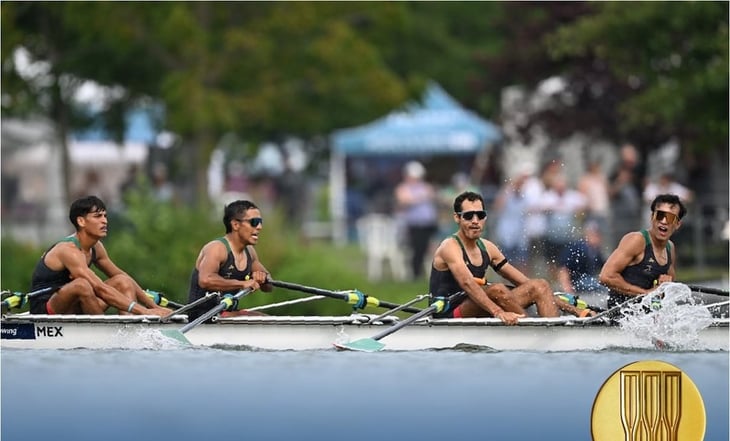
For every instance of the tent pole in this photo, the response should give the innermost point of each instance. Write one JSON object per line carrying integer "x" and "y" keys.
{"x": 337, "y": 198}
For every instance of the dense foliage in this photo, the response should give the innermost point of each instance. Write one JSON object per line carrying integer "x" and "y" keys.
{"x": 269, "y": 69}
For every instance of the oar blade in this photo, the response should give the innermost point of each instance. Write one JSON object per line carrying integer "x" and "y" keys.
{"x": 361, "y": 345}
{"x": 176, "y": 335}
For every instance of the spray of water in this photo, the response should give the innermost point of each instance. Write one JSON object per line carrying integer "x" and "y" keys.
{"x": 670, "y": 316}
{"x": 141, "y": 338}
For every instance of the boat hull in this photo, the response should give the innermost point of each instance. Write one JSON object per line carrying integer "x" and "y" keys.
{"x": 315, "y": 333}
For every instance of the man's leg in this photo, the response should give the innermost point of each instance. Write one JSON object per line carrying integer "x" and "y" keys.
{"x": 539, "y": 293}
{"x": 504, "y": 297}
{"x": 125, "y": 285}
{"x": 76, "y": 297}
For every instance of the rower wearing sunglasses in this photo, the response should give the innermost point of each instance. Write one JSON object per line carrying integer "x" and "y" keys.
{"x": 645, "y": 259}
{"x": 230, "y": 263}
{"x": 461, "y": 261}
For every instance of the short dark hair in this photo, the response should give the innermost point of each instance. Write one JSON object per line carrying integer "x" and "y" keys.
{"x": 82, "y": 207}
{"x": 235, "y": 209}
{"x": 671, "y": 199}
{"x": 469, "y": 196}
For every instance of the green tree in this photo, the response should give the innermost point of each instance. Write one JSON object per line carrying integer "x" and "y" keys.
{"x": 643, "y": 73}
{"x": 667, "y": 61}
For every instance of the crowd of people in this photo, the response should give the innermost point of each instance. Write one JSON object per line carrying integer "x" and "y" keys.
{"x": 543, "y": 226}
{"x": 541, "y": 218}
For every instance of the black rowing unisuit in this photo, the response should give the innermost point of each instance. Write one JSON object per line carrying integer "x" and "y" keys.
{"x": 642, "y": 274}
{"x": 443, "y": 283}
{"x": 227, "y": 270}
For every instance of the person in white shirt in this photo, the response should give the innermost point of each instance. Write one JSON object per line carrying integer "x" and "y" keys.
{"x": 563, "y": 207}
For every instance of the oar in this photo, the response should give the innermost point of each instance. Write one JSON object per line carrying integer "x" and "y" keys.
{"x": 223, "y": 305}
{"x": 354, "y": 297}
{"x": 399, "y": 308}
{"x": 18, "y": 299}
{"x": 614, "y": 308}
{"x": 715, "y": 305}
{"x": 576, "y": 301}
{"x": 707, "y": 290}
{"x": 285, "y": 303}
{"x": 188, "y": 307}
{"x": 373, "y": 345}
{"x": 161, "y": 300}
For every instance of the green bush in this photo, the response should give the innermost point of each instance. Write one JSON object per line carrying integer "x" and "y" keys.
{"x": 17, "y": 261}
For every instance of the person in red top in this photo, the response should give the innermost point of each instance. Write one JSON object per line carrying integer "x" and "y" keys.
{"x": 66, "y": 268}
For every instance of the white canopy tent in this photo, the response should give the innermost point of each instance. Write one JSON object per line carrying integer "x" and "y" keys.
{"x": 438, "y": 126}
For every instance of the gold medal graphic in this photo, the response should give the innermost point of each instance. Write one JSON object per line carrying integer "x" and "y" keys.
{"x": 648, "y": 401}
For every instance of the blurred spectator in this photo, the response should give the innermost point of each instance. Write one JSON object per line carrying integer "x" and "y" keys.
{"x": 162, "y": 188}
{"x": 625, "y": 194}
{"x": 292, "y": 191}
{"x": 132, "y": 181}
{"x": 594, "y": 186}
{"x": 236, "y": 179}
{"x": 536, "y": 222}
{"x": 664, "y": 184}
{"x": 93, "y": 185}
{"x": 510, "y": 208}
{"x": 416, "y": 210}
{"x": 563, "y": 207}
{"x": 581, "y": 262}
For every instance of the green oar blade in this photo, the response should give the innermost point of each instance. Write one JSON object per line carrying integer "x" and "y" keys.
{"x": 174, "y": 334}
{"x": 362, "y": 345}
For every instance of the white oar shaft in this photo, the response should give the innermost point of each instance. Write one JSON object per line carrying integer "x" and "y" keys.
{"x": 287, "y": 303}
{"x": 715, "y": 305}
{"x": 401, "y": 307}
{"x": 189, "y": 306}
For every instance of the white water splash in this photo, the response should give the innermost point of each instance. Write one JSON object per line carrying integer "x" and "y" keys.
{"x": 675, "y": 319}
{"x": 137, "y": 338}
{"x": 342, "y": 336}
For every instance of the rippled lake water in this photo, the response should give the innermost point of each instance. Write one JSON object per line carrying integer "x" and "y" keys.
{"x": 207, "y": 394}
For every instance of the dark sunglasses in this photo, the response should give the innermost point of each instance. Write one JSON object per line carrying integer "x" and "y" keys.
{"x": 671, "y": 218}
{"x": 253, "y": 221}
{"x": 469, "y": 215}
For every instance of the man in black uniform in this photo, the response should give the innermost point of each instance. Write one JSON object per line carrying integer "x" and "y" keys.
{"x": 460, "y": 264}
{"x": 645, "y": 259}
{"x": 230, "y": 263}
{"x": 75, "y": 287}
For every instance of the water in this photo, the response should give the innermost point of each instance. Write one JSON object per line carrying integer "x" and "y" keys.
{"x": 208, "y": 394}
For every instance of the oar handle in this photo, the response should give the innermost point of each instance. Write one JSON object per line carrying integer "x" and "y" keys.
{"x": 218, "y": 308}
{"x": 18, "y": 299}
{"x": 161, "y": 300}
